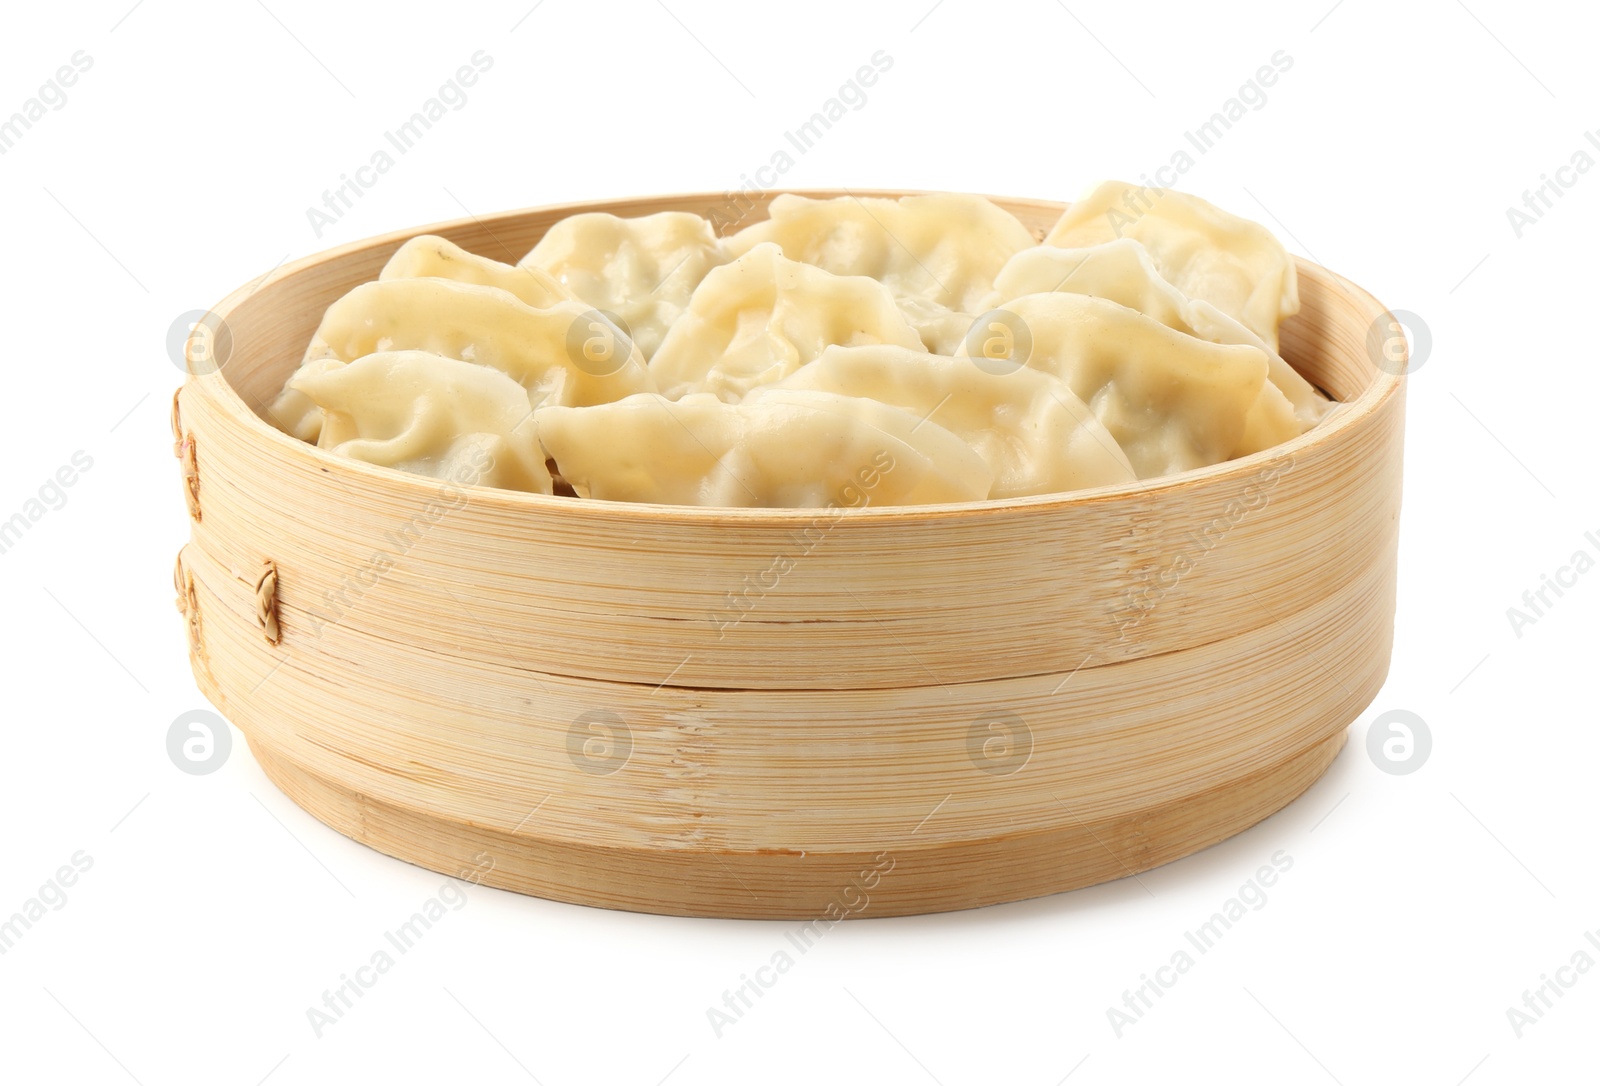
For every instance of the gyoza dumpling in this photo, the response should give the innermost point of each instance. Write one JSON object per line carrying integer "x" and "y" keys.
{"x": 1208, "y": 254}
{"x": 642, "y": 270}
{"x": 427, "y": 414}
{"x": 937, "y": 253}
{"x": 295, "y": 413}
{"x": 760, "y": 318}
{"x": 1122, "y": 271}
{"x": 541, "y": 349}
{"x": 431, "y": 257}
{"x": 1036, "y": 436}
{"x": 940, "y": 328}
{"x": 780, "y": 449}
{"x": 1171, "y": 401}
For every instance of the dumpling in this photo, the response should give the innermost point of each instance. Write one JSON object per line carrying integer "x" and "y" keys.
{"x": 431, "y": 257}
{"x": 1120, "y": 270}
{"x": 781, "y": 448}
{"x": 937, "y": 253}
{"x": 547, "y": 351}
{"x": 427, "y": 414}
{"x": 478, "y": 324}
{"x": 940, "y": 328}
{"x": 1036, "y": 436}
{"x": 542, "y": 349}
{"x": 1208, "y": 254}
{"x": 295, "y": 413}
{"x": 1171, "y": 401}
{"x": 760, "y": 318}
{"x": 944, "y": 247}
{"x": 1123, "y": 272}
{"x": 642, "y": 270}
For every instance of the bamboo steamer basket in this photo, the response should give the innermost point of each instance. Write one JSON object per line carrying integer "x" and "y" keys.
{"x": 783, "y": 713}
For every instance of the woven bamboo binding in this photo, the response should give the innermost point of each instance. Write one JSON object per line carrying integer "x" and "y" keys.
{"x": 932, "y": 708}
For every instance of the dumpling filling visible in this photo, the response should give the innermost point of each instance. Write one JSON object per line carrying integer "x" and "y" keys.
{"x": 842, "y": 353}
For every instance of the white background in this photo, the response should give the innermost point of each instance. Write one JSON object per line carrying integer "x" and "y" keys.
{"x": 1418, "y": 909}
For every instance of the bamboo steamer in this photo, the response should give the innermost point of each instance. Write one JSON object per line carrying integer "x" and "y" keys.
{"x": 781, "y": 713}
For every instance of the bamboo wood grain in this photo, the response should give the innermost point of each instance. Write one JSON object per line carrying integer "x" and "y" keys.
{"x": 780, "y": 885}
{"x": 433, "y": 659}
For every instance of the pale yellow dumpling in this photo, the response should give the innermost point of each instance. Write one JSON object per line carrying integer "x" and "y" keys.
{"x": 1171, "y": 401}
{"x": 429, "y": 415}
{"x": 937, "y": 253}
{"x": 1208, "y": 254}
{"x": 430, "y": 257}
{"x": 760, "y": 318}
{"x": 1035, "y": 434}
{"x": 781, "y": 448}
{"x": 1122, "y": 271}
{"x": 642, "y": 270}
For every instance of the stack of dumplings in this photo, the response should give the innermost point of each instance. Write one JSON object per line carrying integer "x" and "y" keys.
{"x": 841, "y": 353}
